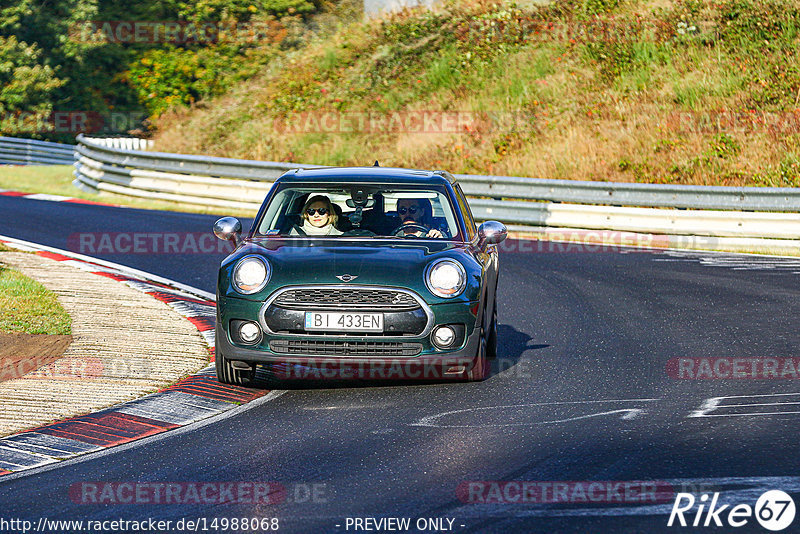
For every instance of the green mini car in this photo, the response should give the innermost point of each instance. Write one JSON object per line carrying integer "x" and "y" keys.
{"x": 359, "y": 272}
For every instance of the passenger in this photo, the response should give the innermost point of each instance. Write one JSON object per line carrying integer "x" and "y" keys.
{"x": 319, "y": 218}
{"x": 417, "y": 211}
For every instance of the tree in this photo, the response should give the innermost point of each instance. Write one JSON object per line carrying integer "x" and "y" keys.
{"x": 28, "y": 88}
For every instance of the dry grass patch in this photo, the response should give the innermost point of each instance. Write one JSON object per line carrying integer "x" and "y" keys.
{"x": 625, "y": 106}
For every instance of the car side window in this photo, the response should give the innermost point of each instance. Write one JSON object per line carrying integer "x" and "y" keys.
{"x": 469, "y": 221}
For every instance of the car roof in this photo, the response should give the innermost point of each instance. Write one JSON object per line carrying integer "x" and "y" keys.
{"x": 366, "y": 175}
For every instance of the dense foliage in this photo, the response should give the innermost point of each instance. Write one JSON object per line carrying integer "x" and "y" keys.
{"x": 58, "y": 58}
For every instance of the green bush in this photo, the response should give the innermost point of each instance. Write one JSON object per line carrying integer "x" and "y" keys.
{"x": 596, "y": 7}
{"x": 27, "y": 84}
{"x": 761, "y": 24}
{"x": 723, "y": 146}
{"x": 163, "y": 78}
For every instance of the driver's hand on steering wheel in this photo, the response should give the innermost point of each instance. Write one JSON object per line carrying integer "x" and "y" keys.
{"x": 434, "y": 233}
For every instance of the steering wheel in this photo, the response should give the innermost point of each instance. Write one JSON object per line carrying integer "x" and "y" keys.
{"x": 411, "y": 226}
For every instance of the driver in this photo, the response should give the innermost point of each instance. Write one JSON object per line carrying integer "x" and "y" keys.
{"x": 416, "y": 211}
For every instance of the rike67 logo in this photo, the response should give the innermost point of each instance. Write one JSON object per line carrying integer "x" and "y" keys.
{"x": 774, "y": 511}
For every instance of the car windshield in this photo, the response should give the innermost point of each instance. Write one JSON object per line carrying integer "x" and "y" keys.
{"x": 368, "y": 211}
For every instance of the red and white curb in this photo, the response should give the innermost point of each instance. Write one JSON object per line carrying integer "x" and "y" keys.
{"x": 53, "y": 198}
{"x": 194, "y": 398}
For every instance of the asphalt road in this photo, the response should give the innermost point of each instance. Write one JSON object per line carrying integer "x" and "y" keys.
{"x": 581, "y": 392}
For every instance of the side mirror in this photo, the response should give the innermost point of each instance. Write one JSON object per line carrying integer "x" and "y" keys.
{"x": 491, "y": 233}
{"x": 229, "y": 229}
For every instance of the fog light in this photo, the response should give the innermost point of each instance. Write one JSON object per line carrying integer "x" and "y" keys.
{"x": 443, "y": 336}
{"x": 249, "y": 332}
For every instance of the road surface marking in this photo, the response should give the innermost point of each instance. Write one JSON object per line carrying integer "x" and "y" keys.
{"x": 630, "y": 413}
{"x": 716, "y": 403}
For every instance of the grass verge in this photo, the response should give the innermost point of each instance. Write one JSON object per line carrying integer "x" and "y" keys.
{"x": 27, "y": 307}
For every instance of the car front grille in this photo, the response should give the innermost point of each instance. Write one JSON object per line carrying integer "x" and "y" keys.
{"x": 349, "y": 298}
{"x": 344, "y": 348}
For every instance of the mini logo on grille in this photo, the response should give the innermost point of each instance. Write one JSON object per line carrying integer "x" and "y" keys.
{"x": 346, "y": 277}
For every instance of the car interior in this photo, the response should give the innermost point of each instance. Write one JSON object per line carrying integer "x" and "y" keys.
{"x": 362, "y": 215}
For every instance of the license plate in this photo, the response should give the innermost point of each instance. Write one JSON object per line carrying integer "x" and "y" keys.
{"x": 344, "y": 322}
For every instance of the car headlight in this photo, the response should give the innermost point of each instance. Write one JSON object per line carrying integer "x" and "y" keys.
{"x": 446, "y": 278}
{"x": 250, "y": 275}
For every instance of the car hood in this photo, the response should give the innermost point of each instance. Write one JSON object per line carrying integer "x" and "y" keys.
{"x": 379, "y": 262}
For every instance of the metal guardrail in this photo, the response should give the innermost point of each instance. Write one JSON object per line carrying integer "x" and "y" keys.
{"x": 189, "y": 179}
{"x": 716, "y": 223}
{"x": 185, "y": 163}
{"x": 633, "y": 194}
{"x": 603, "y": 193}
{"x": 128, "y": 143}
{"x": 537, "y": 203}
{"x": 16, "y": 151}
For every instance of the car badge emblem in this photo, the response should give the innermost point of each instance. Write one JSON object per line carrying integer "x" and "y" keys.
{"x": 346, "y": 277}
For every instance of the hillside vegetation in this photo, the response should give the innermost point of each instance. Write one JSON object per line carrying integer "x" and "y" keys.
{"x": 102, "y": 66}
{"x": 682, "y": 91}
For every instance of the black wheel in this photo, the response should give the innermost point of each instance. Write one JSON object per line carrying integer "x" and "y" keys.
{"x": 228, "y": 374}
{"x": 480, "y": 365}
{"x": 491, "y": 342}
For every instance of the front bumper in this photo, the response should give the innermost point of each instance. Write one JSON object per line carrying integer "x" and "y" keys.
{"x": 434, "y": 366}
{"x": 309, "y": 348}
{"x": 460, "y": 356}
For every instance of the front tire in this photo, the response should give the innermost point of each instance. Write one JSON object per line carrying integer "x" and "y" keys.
{"x": 228, "y": 374}
{"x": 480, "y": 366}
{"x": 491, "y": 343}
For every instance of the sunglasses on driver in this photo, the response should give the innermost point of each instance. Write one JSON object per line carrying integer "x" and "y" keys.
{"x": 412, "y": 210}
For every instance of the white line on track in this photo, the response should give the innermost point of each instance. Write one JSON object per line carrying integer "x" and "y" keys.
{"x": 630, "y": 413}
{"x": 716, "y": 403}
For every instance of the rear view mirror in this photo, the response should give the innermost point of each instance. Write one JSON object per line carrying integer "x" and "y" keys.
{"x": 228, "y": 229}
{"x": 367, "y": 203}
{"x": 491, "y": 233}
